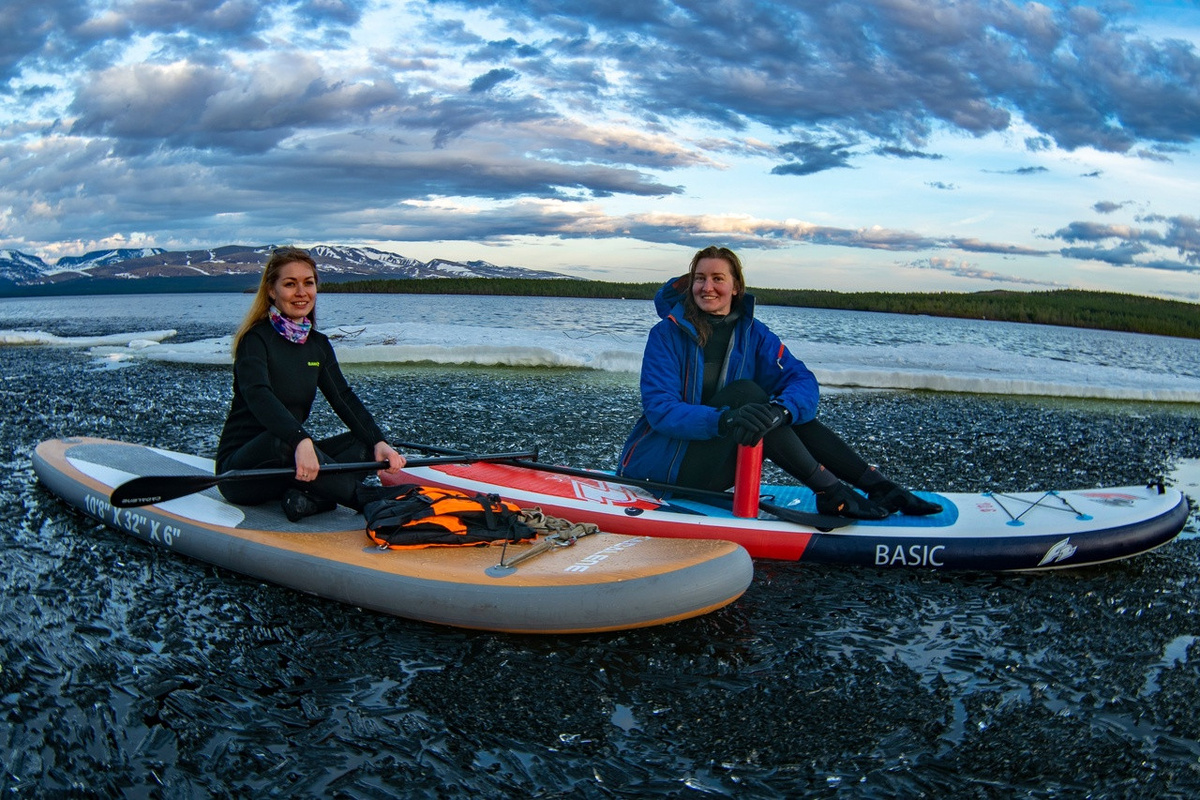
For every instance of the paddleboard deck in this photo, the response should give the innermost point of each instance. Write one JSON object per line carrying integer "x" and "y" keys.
{"x": 602, "y": 582}
{"x": 987, "y": 531}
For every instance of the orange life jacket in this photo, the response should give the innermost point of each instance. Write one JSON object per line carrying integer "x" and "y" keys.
{"x": 411, "y": 516}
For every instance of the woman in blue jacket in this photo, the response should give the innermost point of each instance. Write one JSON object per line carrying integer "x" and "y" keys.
{"x": 714, "y": 377}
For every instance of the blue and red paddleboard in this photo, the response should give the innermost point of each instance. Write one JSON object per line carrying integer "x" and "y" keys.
{"x": 986, "y": 531}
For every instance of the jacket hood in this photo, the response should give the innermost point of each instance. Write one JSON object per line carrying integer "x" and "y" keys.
{"x": 668, "y": 300}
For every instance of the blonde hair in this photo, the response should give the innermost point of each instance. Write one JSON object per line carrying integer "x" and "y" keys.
{"x": 261, "y": 304}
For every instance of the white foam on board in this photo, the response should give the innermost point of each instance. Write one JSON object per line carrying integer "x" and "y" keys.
{"x": 199, "y": 462}
{"x": 197, "y": 507}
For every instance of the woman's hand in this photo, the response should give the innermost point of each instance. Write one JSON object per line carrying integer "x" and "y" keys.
{"x": 307, "y": 465}
{"x": 748, "y": 424}
{"x": 385, "y": 452}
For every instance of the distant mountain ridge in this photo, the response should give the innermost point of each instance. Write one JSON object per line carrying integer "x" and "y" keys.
{"x": 231, "y": 267}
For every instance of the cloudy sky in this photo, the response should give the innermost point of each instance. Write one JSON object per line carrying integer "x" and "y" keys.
{"x": 896, "y": 145}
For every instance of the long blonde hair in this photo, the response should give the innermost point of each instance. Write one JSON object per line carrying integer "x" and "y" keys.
{"x": 692, "y": 312}
{"x": 261, "y": 304}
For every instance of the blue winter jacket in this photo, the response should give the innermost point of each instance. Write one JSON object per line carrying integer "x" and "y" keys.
{"x": 673, "y": 377}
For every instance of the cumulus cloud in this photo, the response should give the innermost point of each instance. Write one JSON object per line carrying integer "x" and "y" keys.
{"x": 1121, "y": 245}
{"x": 572, "y": 220}
{"x": 492, "y": 79}
{"x": 174, "y": 117}
{"x": 967, "y": 269}
{"x": 198, "y": 106}
{"x": 904, "y": 152}
{"x": 32, "y": 32}
{"x": 1020, "y": 171}
{"x": 893, "y": 70}
{"x": 806, "y": 158}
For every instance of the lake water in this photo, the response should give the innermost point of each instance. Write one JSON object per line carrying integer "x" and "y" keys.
{"x": 128, "y": 671}
{"x": 844, "y": 349}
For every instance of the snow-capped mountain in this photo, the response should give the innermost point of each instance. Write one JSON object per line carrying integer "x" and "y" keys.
{"x": 232, "y": 262}
{"x": 367, "y": 262}
{"x": 100, "y": 258}
{"x": 20, "y": 268}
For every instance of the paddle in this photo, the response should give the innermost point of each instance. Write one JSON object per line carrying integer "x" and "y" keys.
{"x": 149, "y": 489}
{"x": 821, "y": 521}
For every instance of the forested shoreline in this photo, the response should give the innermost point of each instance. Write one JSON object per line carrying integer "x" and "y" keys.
{"x": 1065, "y": 307}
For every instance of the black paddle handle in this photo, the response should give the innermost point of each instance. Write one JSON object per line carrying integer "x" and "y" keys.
{"x": 150, "y": 489}
{"x": 808, "y": 518}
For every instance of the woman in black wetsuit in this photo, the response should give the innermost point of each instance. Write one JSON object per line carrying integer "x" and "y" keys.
{"x": 280, "y": 361}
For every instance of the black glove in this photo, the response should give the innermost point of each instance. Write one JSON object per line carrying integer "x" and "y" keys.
{"x": 748, "y": 424}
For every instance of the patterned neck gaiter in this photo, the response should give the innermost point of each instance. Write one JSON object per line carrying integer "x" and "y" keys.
{"x": 294, "y": 332}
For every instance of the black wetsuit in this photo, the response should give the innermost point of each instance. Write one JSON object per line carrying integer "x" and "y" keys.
{"x": 275, "y": 382}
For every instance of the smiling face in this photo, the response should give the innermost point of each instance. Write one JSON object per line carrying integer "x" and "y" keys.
{"x": 294, "y": 292}
{"x": 714, "y": 286}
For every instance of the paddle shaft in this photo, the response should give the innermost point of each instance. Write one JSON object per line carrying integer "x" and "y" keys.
{"x": 823, "y": 521}
{"x": 149, "y": 489}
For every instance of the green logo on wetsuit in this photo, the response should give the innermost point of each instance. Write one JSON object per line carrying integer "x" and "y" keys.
{"x": 314, "y": 363}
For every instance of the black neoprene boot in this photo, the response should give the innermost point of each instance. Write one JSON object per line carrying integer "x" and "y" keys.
{"x": 894, "y": 498}
{"x": 297, "y": 505}
{"x": 840, "y": 500}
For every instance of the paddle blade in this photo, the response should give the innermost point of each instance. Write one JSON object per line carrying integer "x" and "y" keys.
{"x": 150, "y": 489}
{"x": 822, "y": 522}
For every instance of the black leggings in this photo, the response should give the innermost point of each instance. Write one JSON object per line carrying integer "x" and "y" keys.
{"x": 800, "y": 450}
{"x": 267, "y": 452}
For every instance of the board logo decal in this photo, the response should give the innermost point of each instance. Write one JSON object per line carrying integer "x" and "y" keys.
{"x": 587, "y": 562}
{"x": 917, "y": 555}
{"x": 1119, "y": 499}
{"x": 132, "y": 521}
{"x": 1061, "y": 551}
{"x": 612, "y": 494}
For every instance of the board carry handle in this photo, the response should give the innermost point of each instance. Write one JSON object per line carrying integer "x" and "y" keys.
{"x": 822, "y": 522}
{"x": 150, "y": 489}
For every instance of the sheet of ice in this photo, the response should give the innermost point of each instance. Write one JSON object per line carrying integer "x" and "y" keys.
{"x": 968, "y": 368}
{"x": 134, "y": 340}
{"x": 844, "y": 349}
